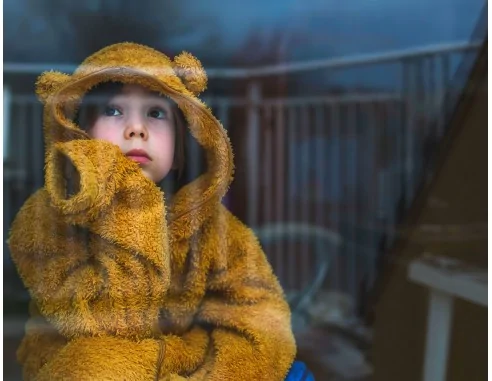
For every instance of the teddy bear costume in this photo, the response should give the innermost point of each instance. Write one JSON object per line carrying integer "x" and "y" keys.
{"x": 123, "y": 287}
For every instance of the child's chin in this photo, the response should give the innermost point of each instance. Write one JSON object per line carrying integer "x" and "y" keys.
{"x": 151, "y": 176}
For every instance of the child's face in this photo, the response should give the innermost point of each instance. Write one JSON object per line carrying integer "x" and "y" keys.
{"x": 141, "y": 124}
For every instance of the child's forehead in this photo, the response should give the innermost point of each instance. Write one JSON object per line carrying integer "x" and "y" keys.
{"x": 140, "y": 91}
{"x": 122, "y": 92}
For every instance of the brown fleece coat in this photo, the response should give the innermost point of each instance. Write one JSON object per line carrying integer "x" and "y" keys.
{"x": 117, "y": 292}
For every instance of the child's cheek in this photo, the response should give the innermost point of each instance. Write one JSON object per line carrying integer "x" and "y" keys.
{"x": 106, "y": 133}
{"x": 165, "y": 138}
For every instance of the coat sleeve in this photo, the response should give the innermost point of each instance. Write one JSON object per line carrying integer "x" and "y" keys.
{"x": 46, "y": 355}
{"x": 39, "y": 345}
{"x": 249, "y": 318}
{"x": 111, "y": 358}
{"x": 95, "y": 262}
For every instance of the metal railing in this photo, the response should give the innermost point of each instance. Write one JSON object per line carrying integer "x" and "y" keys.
{"x": 349, "y": 162}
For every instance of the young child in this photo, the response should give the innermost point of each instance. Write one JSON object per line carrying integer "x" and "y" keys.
{"x": 123, "y": 286}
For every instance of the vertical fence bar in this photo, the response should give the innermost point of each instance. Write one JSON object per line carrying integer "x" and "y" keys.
{"x": 254, "y": 98}
{"x": 280, "y": 186}
{"x": 304, "y": 136}
{"x": 402, "y": 133}
{"x": 321, "y": 168}
{"x": 292, "y": 171}
{"x": 7, "y": 202}
{"x": 319, "y": 137}
{"x": 394, "y": 113}
{"x": 268, "y": 168}
{"x": 7, "y": 103}
{"x": 372, "y": 212}
{"x": 390, "y": 198}
{"x": 352, "y": 220}
{"x": 408, "y": 91}
{"x": 400, "y": 149}
{"x": 387, "y": 131}
{"x": 22, "y": 146}
{"x": 383, "y": 168}
{"x": 434, "y": 104}
{"x": 422, "y": 118}
{"x": 30, "y": 143}
{"x": 433, "y": 130}
{"x": 336, "y": 185}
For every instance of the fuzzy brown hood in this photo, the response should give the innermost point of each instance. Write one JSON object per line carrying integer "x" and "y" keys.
{"x": 182, "y": 79}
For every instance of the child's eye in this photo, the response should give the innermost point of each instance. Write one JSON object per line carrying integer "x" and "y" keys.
{"x": 111, "y": 111}
{"x": 157, "y": 113}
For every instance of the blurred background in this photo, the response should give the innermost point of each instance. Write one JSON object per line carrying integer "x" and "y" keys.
{"x": 359, "y": 131}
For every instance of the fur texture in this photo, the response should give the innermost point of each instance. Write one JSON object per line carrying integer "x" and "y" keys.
{"x": 117, "y": 292}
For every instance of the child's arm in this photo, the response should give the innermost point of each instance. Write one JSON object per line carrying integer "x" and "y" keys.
{"x": 111, "y": 358}
{"x": 45, "y": 354}
{"x": 95, "y": 263}
{"x": 251, "y": 337}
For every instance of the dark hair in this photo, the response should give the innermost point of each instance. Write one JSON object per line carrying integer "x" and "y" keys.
{"x": 97, "y": 98}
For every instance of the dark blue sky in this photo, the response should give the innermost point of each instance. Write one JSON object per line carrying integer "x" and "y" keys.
{"x": 308, "y": 28}
{"x": 349, "y": 27}
{"x": 238, "y": 33}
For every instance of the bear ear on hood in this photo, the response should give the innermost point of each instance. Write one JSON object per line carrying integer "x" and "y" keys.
{"x": 49, "y": 82}
{"x": 191, "y": 72}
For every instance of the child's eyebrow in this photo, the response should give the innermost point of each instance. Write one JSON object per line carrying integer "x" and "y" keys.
{"x": 162, "y": 98}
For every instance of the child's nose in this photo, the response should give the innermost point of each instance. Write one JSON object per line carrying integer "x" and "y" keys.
{"x": 136, "y": 128}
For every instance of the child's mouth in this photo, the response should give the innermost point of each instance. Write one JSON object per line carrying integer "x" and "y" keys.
{"x": 139, "y": 155}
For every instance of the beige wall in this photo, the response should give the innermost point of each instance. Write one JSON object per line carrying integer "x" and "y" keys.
{"x": 460, "y": 186}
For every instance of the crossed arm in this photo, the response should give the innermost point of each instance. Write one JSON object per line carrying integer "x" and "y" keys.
{"x": 240, "y": 331}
